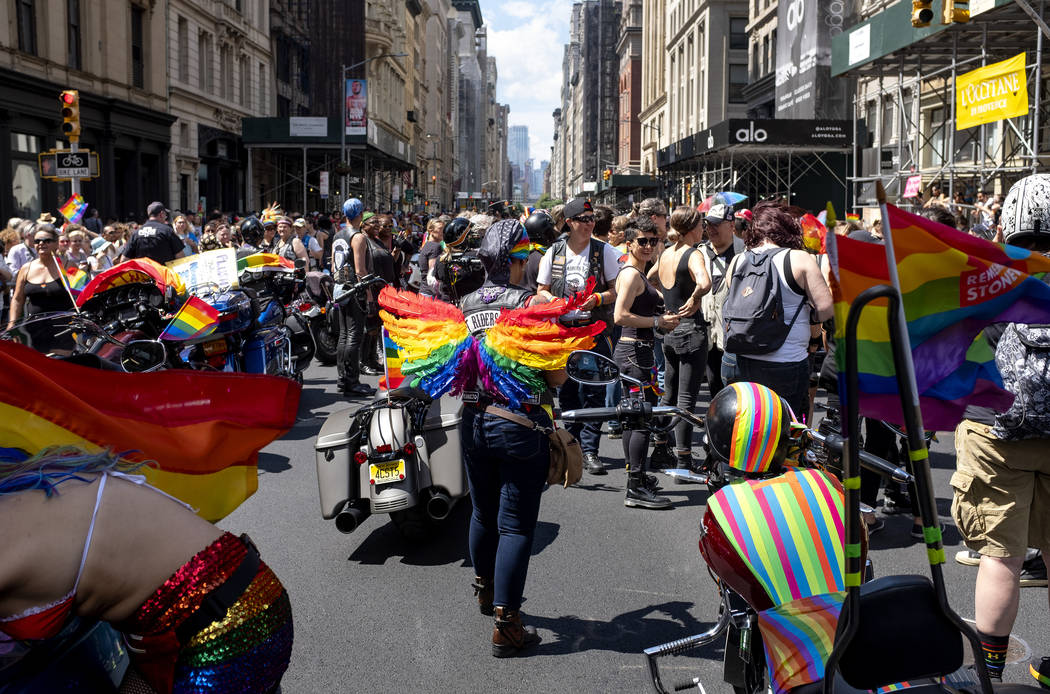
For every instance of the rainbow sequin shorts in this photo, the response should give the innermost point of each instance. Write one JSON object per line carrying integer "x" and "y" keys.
{"x": 221, "y": 623}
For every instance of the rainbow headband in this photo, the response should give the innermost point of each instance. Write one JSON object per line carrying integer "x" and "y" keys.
{"x": 521, "y": 249}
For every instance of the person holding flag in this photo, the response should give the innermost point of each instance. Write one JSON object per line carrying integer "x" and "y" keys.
{"x": 42, "y": 287}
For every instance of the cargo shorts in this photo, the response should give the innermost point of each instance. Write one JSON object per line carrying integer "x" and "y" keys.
{"x": 1001, "y": 491}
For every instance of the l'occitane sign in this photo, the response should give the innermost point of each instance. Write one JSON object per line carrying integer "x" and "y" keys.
{"x": 991, "y": 93}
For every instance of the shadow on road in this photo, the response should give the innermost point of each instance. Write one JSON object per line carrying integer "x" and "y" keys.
{"x": 271, "y": 462}
{"x": 630, "y": 632}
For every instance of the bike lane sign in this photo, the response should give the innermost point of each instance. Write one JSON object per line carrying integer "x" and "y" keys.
{"x": 73, "y": 164}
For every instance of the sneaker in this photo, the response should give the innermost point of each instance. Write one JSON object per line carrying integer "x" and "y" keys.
{"x": 1039, "y": 668}
{"x": 358, "y": 389}
{"x": 875, "y": 526}
{"x": 1033, "y": 575}
{"x": 968, "y": 557}
{"x": 893, "y": 507}
{"x": 592, "y": 464}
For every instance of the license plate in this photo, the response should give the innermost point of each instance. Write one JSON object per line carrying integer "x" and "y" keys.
{"x": 384, "y": 473}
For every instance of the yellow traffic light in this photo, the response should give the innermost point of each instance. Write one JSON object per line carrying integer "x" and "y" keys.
{"x": 922, "y": 12}
{"x": 606, "y": 174}
{"x": 951, "y": 13}
{"x": 71, "y": 115}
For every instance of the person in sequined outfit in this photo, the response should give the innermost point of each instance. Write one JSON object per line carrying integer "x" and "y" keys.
{"x": 199, "y": 609}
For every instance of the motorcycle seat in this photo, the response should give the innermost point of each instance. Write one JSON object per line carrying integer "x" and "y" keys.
{"x": 409, "y": 393}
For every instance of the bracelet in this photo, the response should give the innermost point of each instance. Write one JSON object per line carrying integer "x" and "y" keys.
{"x": 656, "y": 322}
{"x": 598, "y": 298}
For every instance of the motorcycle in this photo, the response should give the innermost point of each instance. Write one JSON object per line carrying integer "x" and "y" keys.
{"x": 86, "y": 656}
{"x": 398, "y": 455}
{"x": 314, "y": 304}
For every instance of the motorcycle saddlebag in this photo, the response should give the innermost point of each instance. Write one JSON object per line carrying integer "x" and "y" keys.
{"x": 336, "y": 469}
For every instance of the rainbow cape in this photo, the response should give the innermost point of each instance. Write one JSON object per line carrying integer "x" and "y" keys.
{"x": 204, "y": 430}
{"x": 195, "y": 319}
{"x": 952, "y": 286}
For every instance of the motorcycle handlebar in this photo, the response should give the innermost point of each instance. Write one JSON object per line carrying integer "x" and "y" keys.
{"x": 872, "y": 462}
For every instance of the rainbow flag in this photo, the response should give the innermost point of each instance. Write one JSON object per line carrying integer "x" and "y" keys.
{"x": 798, "y": 637}
{"x": 813, "y": 233}
{"x": 952, "y": 285}
{"x": 392, "y": 378}
{"x": 264, "y": 261}
{"x": 74, "y": 208}
{"x": 204, "y": 430}
{"x": 77, "y": 278}
{"x": 195, "y": 319}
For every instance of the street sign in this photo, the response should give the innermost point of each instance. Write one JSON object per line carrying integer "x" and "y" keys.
{"x": 410, "y": 194}
{"x": 64, "y": 164}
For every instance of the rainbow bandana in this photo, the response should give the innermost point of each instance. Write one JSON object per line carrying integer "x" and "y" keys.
{"x": 756, "y": 428}
{"x": 521, "y": 249}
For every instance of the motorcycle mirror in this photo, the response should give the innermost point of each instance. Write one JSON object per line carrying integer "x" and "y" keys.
{"x": 140, "y": 356}
{"x": 591, "y": 368}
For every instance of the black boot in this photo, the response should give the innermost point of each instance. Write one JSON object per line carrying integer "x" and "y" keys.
{"x": 652, "y": 483}
{"x": 639, "y": 494}
{"x": 593, "y": 464}
{"x": 509, "y": 637}
{"x": 662, "y": 458}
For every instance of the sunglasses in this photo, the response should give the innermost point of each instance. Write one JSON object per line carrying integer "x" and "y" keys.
{"x": 644, "y": 241}
{"x": 37, "y": 242}
{"x": 589, "y": 219}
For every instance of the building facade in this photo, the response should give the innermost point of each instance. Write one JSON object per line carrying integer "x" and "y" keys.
{"x": 654, "y": 132}
{"x": 123, "y": 84}
{"x": 629, "y": 50}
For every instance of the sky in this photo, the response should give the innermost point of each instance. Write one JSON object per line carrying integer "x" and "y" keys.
{"x": 527, "y": 38}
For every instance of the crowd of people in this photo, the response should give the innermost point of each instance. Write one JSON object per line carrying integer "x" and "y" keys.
{"x": 669, "y": 285}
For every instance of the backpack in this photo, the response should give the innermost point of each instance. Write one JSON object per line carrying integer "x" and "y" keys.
{"x": 1023, "y": 358}
{"x": 753, "y": 314}
{"x": 711, "y": 303}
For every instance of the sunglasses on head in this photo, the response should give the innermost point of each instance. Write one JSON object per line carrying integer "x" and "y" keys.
{"x": 584, "y": 219}
{"x": 644, "y": 241}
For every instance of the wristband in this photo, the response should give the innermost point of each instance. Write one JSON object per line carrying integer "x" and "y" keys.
{"x": 598, "y": 297}
{"x": 656, "y": 322}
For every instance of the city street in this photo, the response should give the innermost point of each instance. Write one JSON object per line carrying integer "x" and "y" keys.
{"x": 375, "y": 613}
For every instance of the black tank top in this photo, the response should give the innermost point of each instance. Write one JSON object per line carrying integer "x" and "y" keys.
{"x": 644, "y": 305}
{"x": 46, "y": 298}
{"x": 684, "y": 285}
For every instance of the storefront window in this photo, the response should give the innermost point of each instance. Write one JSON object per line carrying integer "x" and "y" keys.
{"x": 25, "y": 187}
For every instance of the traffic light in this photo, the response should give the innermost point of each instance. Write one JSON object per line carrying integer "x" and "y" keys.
{"x": 433, "y": 179}
{"x": 922, "y": 12}
{"x": 606, "y": 174}
{"x": 951, "y": 13}
{"x": 71, "y": 115}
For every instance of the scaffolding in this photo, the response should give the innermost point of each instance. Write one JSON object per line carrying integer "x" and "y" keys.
{"x": 899, "y": 136}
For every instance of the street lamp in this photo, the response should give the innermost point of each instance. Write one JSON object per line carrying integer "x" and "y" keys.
{"x": 342, "y": 88}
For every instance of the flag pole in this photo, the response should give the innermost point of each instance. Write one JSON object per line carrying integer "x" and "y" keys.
{"x": 61, "y": 268}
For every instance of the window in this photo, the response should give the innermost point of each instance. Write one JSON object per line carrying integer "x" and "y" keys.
{"x": 184, "y": 135}
{"x": 184, "y": 50}
{"x": 138, "y": 54}
{"x": 935, "y": 152}
{"x": 226, "y": 74}
{"x": 738, "y": 33}
{"x": 304, "y": 69}
{"x": 244, "y": 95}
{"x": 73, "y": 34}
{"x": 737, "y": 82}
{"x": 205, "y": 63}
{"x": 263, "y": 101}
{"x": 26, "y": 25}
{"x": 284, "y": 58}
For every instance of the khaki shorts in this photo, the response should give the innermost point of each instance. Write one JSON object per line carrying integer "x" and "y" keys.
{"x": 1002, "y": 492}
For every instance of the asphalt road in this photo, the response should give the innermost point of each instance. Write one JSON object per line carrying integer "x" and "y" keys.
{"x": 375, "y": 613}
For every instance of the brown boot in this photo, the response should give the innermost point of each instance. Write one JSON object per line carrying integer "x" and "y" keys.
{"x": 510, "y": 638}
{"x": 484, "y": 592}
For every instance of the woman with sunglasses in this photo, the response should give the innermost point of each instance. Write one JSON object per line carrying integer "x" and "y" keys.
{"x": 39, "y": 288}
{"x": 636, "y": 311}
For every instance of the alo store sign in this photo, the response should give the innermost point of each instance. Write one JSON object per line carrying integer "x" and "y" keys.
{"x": 830, "y": 134}
{"x": 804, "y": 86}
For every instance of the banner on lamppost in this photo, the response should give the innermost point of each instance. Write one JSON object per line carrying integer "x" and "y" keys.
{"x": 323, "y": 185}
{"x": 991, "y": 93}
{"x": 804, "y": 86}
{"x": 356, "y": 107}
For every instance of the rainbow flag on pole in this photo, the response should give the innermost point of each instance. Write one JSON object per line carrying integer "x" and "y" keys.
{"x": 195, "y": 319}
{"x": 74, "y": 208}
{"x": 952, "y": 286}
{"x": 78, "y": 279}
{"x": 392, "y": 378}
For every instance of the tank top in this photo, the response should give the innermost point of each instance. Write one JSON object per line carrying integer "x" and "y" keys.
{"x": 796, "y": 346}
{"x": 684, "y": 286}
{"x": 644, "y": 305}
{"x": 285, "y": 250}
{"x": 46, "y": 298}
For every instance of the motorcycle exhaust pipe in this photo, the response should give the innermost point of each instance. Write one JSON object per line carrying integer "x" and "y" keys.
{"x": 349, "y": 518}
{"x": 439, "y": 505}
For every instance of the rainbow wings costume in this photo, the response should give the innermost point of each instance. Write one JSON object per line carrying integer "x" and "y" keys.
{"x": 441, "y": 356}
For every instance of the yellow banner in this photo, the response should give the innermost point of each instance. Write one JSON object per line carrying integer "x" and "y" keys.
{"x": 991, "y": 93}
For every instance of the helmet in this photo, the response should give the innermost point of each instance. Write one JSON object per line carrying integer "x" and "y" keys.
{"x": 748, "y": 428}
{"x": 251, "y": 230}
{"x": 1026, "y": 210}
{"x": 353, "y": 208}
{"x": 541, "y": 227}
{"x": 456, "y": 231}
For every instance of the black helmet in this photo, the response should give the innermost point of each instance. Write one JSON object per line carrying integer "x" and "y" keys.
{"x": 748, "y": 428}
{"x": 251, "y": 231}
{"x": 541, "y": 228}
{"x": 456, "y": 232}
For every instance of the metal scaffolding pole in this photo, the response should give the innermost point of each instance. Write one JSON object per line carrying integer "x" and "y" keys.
{"x": 1038, "y": 90}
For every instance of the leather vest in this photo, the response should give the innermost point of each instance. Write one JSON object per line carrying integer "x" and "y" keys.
{"x": 482, "y": 307}
{"x": 596, "y": 269}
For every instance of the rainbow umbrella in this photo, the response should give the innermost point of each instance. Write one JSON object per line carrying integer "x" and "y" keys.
{"x": 726, "y": 197}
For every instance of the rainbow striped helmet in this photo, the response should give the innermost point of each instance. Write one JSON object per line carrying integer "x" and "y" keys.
{"x": 747, "y": 428}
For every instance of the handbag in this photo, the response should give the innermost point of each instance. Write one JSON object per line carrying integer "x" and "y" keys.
{"x": 566, "y": 467}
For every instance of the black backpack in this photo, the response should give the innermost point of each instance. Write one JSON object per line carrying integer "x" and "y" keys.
{"x": 753, "y": 313}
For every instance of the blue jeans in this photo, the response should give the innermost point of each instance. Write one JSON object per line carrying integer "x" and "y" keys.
{"x": 573, "y": 396}
{"x": 506, "y": 467}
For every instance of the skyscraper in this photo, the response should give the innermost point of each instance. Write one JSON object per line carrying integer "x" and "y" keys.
{"x": 518, "y": 145}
